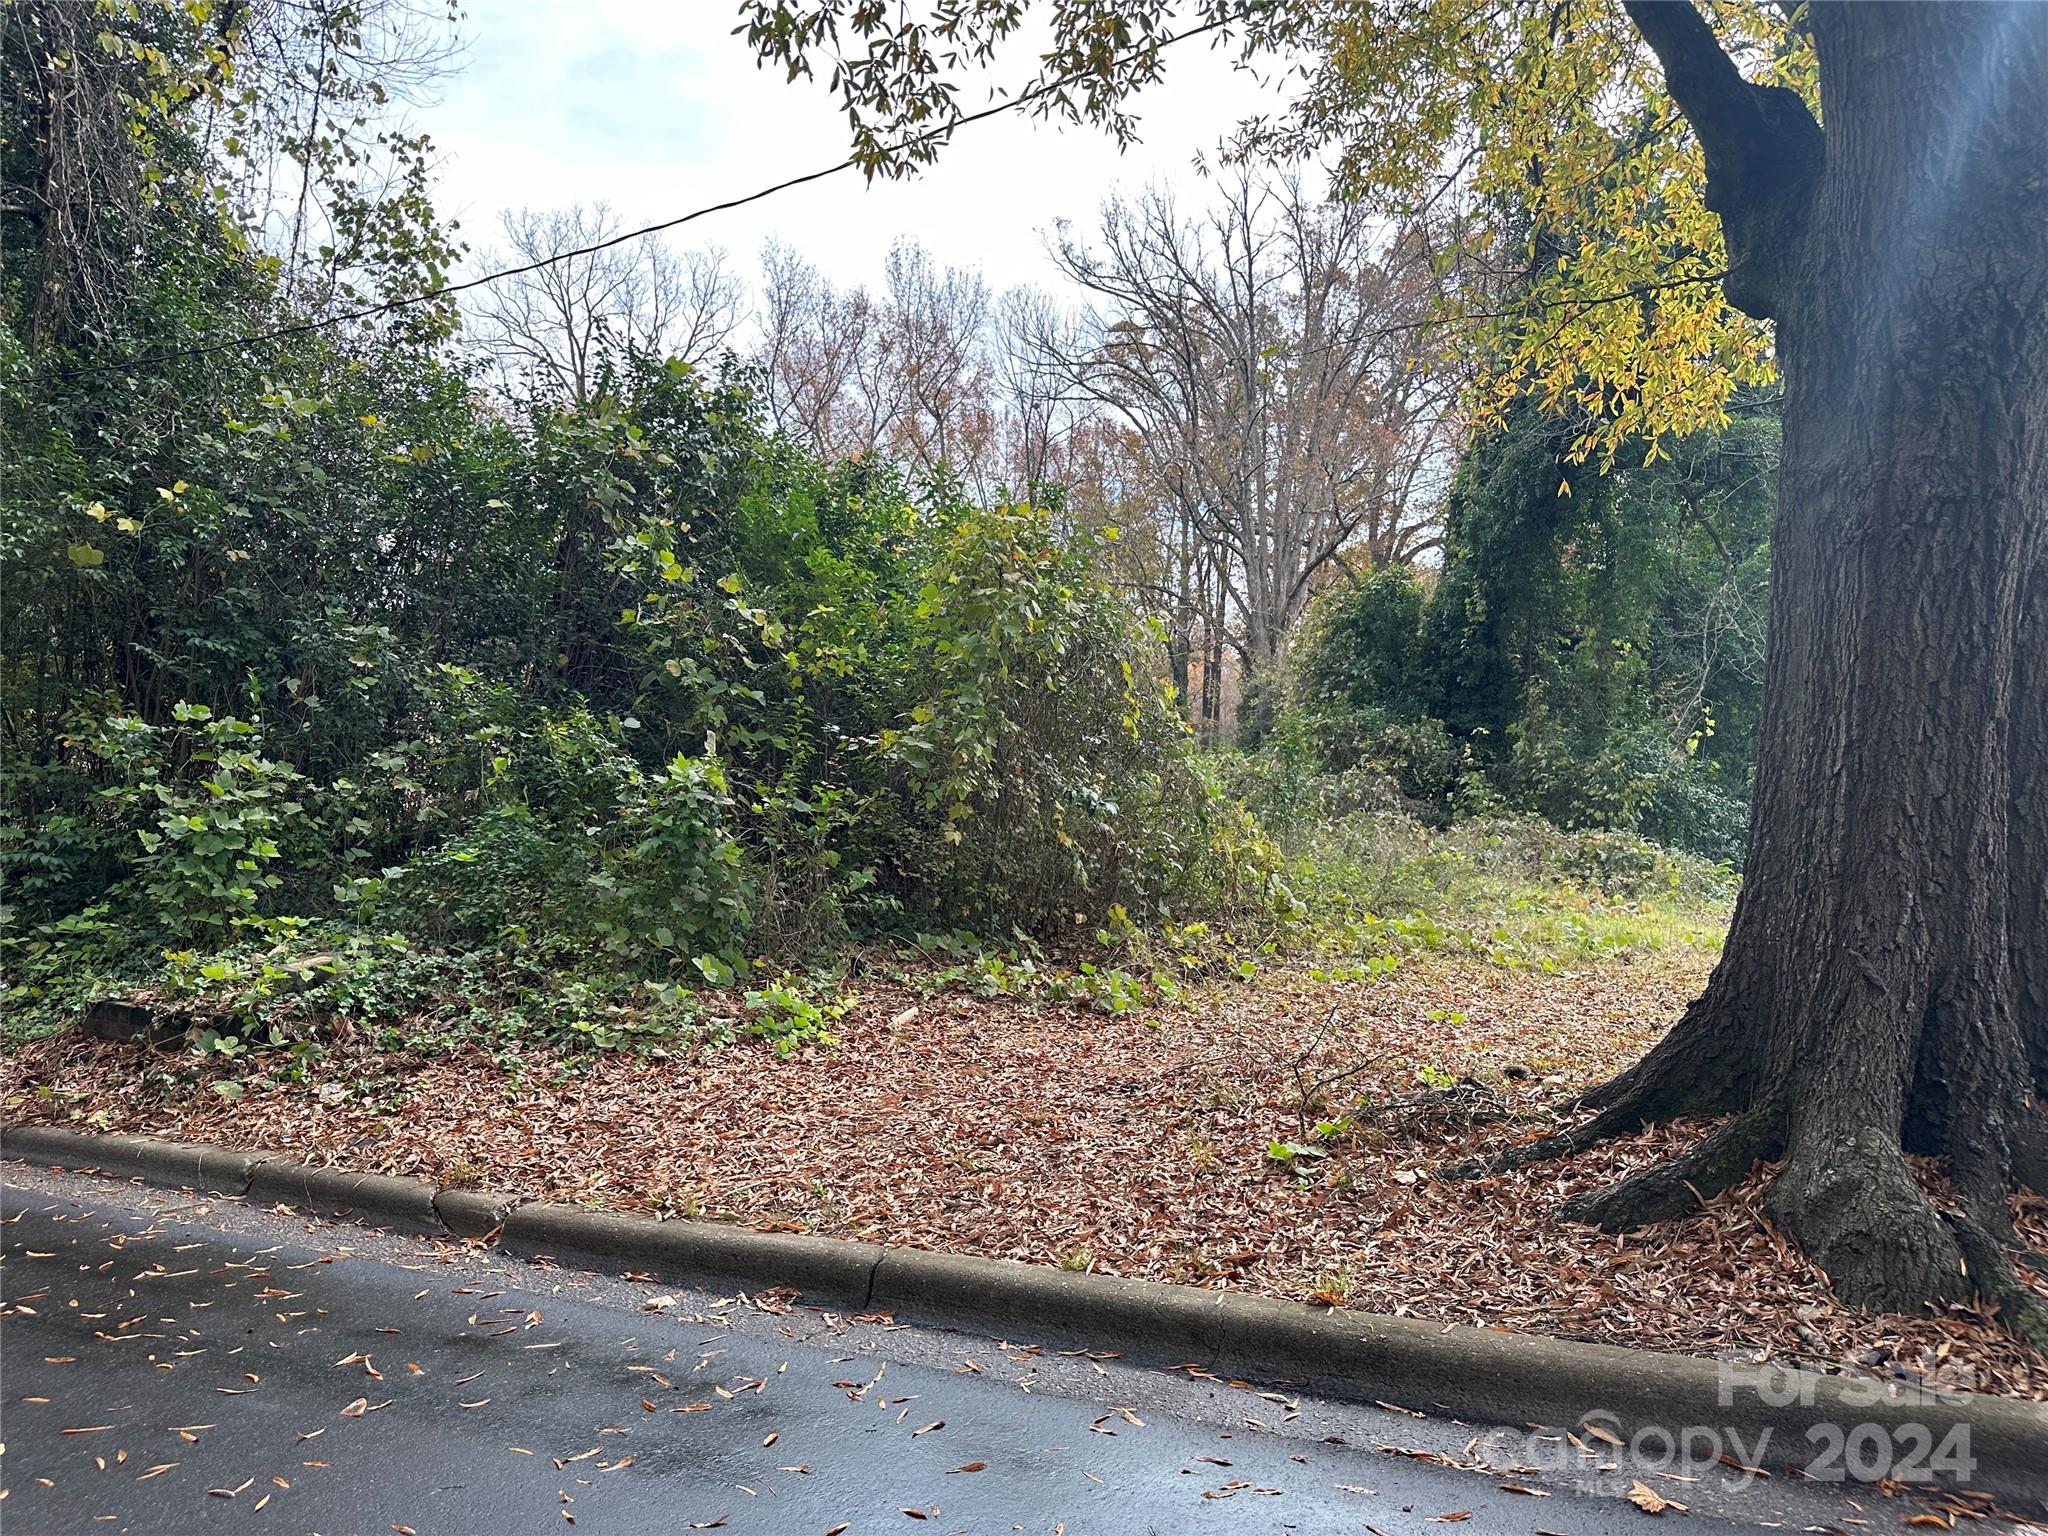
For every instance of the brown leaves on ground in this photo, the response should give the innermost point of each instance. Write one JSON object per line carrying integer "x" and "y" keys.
{"x": 1650, "y": 1501}
{"x": 1049, "y": 1133}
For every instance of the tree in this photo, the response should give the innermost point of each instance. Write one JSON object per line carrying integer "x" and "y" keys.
{"x": 1867, "y": 1004}
{"x": 904, "y": 372}
{"x": 1264, "y": 357}
{"x": 287, "y": 109}
{"x": 565, "y": 325}
{"x": 1880, "y": 990}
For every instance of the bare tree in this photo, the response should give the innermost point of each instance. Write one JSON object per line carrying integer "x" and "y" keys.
{"x": 1049, "y": 432}
{"x": 1246, "y": 398}
{"x": 816, "y": 355}
{"x": 906, "y": 372}
{"x": 936, "y": 333}
{"x": 1266, "y": 357}
{"x": 560, "y": 327}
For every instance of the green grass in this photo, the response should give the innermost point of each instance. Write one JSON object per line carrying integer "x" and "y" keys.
{"x": 1517, "y": 892}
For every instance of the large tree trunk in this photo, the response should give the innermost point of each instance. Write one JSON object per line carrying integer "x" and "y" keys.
{"x": 1889, "y": 939}
{"x": 2029, "y": 919}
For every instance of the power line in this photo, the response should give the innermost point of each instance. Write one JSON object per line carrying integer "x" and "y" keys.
{"x": 407, "y": 301}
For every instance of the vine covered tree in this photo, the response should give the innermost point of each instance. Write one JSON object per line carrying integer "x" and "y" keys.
{"x": 1854, "y": 196}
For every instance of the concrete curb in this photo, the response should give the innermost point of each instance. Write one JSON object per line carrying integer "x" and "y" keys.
{"x": 174, "y": 1163}
{"x": 400, "y": 1202}
{"x": 472, "y": 1212}
{"x": 822, "y": 1268}
{"x": 1771, "y": 1415}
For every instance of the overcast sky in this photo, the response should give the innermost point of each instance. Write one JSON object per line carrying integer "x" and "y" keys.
{"x": 655, "y": 107}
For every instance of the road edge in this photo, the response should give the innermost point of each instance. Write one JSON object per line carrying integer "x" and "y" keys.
{"x": 1780, "y": 1416}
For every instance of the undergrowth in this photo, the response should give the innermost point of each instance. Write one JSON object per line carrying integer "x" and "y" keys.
{"x": 1349, "y": 904}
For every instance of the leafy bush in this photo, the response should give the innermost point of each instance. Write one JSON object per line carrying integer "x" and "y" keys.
{"x": 375, "y": 699}
{"x": 785, "y": 1015}
{"x": 1589, "y": 650}
{"x": 208, "y": 809}
{"x": 764, "y": 705}
{"x": 1047, "y": 774}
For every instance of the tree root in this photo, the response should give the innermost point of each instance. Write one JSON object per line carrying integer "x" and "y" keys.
{"x": 1852, "y": 1207}
{"x": 1669, "y": 1081}
{"x": 1699, "y": 1065}
{"x": 1616, "y": 1120}
{"x": 1993, "y": 1276}
{"x": 1685, "y": 1183}
{"x": 2030, "y": 1152}
{"x": 1845, "y": 1197}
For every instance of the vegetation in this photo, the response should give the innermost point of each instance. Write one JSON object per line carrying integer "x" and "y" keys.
{"x": 576, "y": 675}
{"x": 678, "y": 696}
{"x": 1611, "y": 167}
{"x": 384, "y": 690}
{"x": 1589, "y": 651}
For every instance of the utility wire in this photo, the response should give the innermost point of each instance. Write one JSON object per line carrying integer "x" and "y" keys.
{"x": 407, "y": 301}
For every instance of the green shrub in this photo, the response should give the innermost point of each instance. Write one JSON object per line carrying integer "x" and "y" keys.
{"x": 208, "y": 809}
{"x": 1043, "y": 774}
{"x": 783, "y": 1013}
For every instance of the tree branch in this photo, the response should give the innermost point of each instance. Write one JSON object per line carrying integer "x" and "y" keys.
{"x": 1763, "y": 149}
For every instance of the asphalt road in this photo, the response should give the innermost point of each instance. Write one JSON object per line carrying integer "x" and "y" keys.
{"x": 170, "y": 1365}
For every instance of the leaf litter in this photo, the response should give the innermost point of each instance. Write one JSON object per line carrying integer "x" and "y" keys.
{"x": 1135, "y": 1145}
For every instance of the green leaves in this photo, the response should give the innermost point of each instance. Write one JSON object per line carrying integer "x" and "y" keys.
{"x": 212, "y": 824}
{"x": 785, "y": 1015}
{"x": 714, "y": 969}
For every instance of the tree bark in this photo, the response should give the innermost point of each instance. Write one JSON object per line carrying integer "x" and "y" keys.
{"x": 1882, "y": 989}
{"x": 2029, "y": 921}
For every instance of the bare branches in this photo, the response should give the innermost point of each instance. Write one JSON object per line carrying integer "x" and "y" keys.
{"x": 1258, "y": 354}
{"x": 560, "y": 326}
{"x": 905, "y": 372}
{"x": 1312, "y": 1090}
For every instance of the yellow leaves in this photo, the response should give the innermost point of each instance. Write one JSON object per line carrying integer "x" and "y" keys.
{"x": 1560, "y": 129}
{"x": 86, "y": 555}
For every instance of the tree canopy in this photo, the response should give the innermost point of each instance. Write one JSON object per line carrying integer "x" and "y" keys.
{"x": 1567, "y": 193}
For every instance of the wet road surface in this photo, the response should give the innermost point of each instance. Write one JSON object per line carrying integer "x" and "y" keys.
{"x": 179, "y": 1364}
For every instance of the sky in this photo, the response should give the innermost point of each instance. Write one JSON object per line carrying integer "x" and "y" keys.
{"x": 655, "y": 107}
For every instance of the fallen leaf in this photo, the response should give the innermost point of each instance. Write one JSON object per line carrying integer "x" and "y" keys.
{"x": 1650, "y": 1501}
